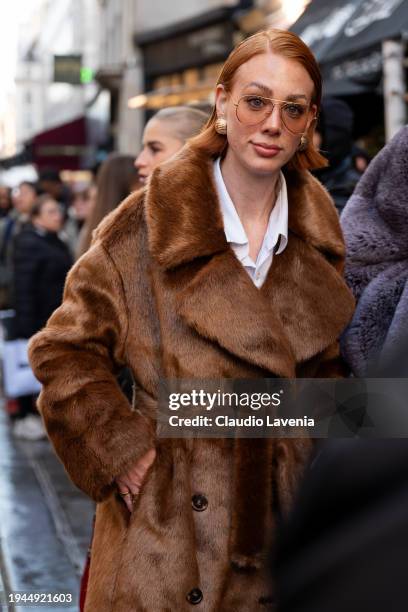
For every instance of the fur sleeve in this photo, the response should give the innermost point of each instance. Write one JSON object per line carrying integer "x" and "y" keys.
{"x": 76, "y": 356}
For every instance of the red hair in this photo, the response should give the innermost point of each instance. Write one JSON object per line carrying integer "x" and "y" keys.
{"x": 284, "y": 43}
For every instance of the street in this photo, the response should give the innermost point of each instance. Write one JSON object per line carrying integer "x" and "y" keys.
{"x": 45, "y": 522}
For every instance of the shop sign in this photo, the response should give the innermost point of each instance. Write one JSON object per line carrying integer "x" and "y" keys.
{"x": 67, "y": 69}
{"x": 351, "y": 19}
{"x": 369, "y": 12}
{"x": 330, "y": 26}
{"x": 358, "y": 68}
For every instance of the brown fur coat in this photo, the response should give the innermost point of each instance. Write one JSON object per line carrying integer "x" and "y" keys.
{"x": 162, "y": 292}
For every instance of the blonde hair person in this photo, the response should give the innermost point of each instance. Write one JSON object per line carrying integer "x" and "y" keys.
{"x": 228, "y": 264}
{"x": 164, "y": 135}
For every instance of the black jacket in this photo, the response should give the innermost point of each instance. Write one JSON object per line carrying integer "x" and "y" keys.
{"x": 336, "y": 128}
{"x": 41, "y": 261}
{"x": 340, "y": 181}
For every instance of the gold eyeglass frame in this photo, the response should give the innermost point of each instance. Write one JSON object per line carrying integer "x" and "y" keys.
{"x": 273, "y": 100}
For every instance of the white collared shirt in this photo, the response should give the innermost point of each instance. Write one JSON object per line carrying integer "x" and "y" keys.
{"x": 276, "y": 232}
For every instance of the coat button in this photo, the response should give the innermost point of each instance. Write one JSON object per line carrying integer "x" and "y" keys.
{"x": 194, "y": 596}
{"x": 199, "y": 502}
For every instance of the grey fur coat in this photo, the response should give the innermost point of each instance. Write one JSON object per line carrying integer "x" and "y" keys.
{"x": 375, "y": 226}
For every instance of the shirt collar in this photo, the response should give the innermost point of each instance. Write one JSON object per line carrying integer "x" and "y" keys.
{"x": 278, "y": 220}
{"x": 234, "y": 230}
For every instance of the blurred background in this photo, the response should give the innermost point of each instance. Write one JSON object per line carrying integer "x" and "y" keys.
{"x": 79, "y": 81}
{"x": 80, "y": 77}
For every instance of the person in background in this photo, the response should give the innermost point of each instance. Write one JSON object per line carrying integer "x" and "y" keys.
{"x": 41, "y": 261}
{"x": 179, "y": 283}
{"x": 5, "y": 201}
{"x": 165, "y": 134}
{"x": 83, "y": 203}
{"x": 23, "y": 199}
{"x": 116, "y": 179}
{"x": 6, "y": 224}
{"x": 375, "y": 227}
{"x": 50, "y": 182}
{"x": 334, "y": 138}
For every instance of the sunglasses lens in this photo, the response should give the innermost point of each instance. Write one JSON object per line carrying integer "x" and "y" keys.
{"x": 294, "y": 116}
{"x": 252, "y": 110}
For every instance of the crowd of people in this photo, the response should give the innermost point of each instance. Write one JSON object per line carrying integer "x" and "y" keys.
{"x": 176, "y": 272}
{"x": 39, "y": 229}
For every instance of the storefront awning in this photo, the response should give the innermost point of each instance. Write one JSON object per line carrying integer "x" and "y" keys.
{"x": 346, "y": 39}
{"x": 19, "y": 159}
{"x": 64, "y": 147}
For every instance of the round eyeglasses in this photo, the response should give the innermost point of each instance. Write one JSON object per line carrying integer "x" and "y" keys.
{"x": 253, "y": 109}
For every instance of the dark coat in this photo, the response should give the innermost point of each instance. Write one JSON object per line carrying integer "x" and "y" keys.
{"x": 346, "y": 549}
{"x": 41, "y": 262}
{"x": 162, "y": 292}
{"x": 336, "y": 129}
{"x": 340, "y": 181}
{"x": 375, "y": 225}
{"x": 10, "y": 227}
{"x": 345, "y": 545}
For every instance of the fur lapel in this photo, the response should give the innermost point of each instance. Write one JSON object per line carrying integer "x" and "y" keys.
{"x": 181, "y": 230}
{"x": 221, "y": 303}
{"x": 309, "y": 298}
{"x": 303, "y": 305}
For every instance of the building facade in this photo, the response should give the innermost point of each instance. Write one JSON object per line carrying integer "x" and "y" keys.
{"x": 55, "y": 35}
{"x": 119, "y": 70}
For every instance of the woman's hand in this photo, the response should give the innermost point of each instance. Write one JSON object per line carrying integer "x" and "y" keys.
{"x": 129, "y": 484}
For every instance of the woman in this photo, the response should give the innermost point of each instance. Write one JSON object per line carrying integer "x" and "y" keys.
{"x": 164, "y": 291}
{"x": 83, "y": 202}
{"x": 375, "y": 225}
{"x": 116, "y": 179}
{"x": 24, "y": 198}
{"x": 165, "y": 134}
{"x": 6, "y": 226}
{"x": 41, "y": 262}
